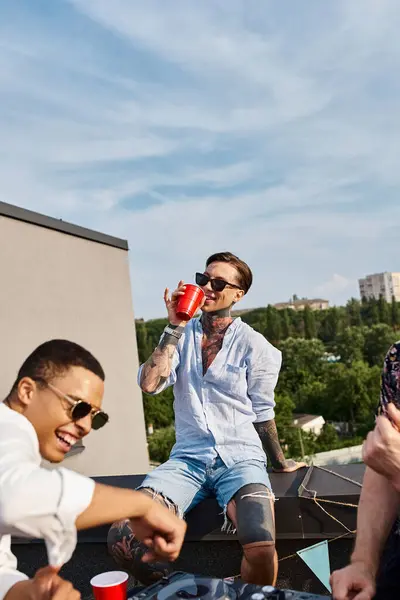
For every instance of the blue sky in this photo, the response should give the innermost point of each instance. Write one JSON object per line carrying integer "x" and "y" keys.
{"x": 271, "y": 129}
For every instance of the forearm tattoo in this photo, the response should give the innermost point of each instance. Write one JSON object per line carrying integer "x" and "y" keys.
{"x": 268, "y": 434}
{"x": 157, "y": 368}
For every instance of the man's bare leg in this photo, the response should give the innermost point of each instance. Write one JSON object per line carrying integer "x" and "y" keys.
{"x": 259, "y": 565}
{"x": 252, "y": 513}
{"x": 128, "y": 552}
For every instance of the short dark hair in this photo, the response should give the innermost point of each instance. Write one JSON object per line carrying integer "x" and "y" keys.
{"x": 54, "y": 358}
{"x": 245, "y": 276}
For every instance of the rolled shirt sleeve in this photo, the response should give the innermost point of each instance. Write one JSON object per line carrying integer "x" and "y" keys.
{"x": 37, "y": 502}
{"x": 262, "y": 376}
{"x": 9, "y": 575}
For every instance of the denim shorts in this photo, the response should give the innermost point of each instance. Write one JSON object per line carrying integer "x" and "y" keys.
{"x": 186, "y": 482}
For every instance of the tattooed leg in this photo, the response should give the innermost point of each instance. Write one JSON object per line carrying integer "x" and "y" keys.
{"x": 268, "y": 434}
{"x": 128, "y": 552}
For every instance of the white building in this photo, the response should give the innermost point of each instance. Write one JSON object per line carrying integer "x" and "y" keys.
{"x": 310, "y": 423}
{"x": 385, "y": 284}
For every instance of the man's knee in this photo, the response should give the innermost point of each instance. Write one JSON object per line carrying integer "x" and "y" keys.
{"x": 259, "y": 555}
{"x": 128, "y": 551}
{"x": 254, "y": 516}
{"x": 121, "y": 543}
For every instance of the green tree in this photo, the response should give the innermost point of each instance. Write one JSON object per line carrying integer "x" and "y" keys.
{"x": 369, "y": 311}
{"x": 273, "y": 327}
{"x": 350, "y": 344}
{"x": 160, "y": 444}
{"x": 302, "y": 362}
{"x": 309, "y": 397}
{"x": 383, "y": 311}
{"x": 143, "y": 343}
{"x": 285, "y": 323}
{"x": 353, "y": 309}
{"x": 289, "y": 435}
{"x": 310, "y": 329}
{"x": 283, "y": 411}
{"x": 378, "y": 340}
{"x": 395, "y": 314}
{"x": 330, "y": 325}
{"x": 352, "y": 393}
{"x": 328, "y": 438}
{"x": 159, "y": 409}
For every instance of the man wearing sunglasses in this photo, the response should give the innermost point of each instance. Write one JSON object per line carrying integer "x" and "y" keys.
{"x": 224, "y": 374}
{"x": 55, "y": 401}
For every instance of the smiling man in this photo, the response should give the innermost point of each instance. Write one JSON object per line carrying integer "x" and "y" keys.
{"x": 56, "y": 401}
{"x": 224, "y": 374}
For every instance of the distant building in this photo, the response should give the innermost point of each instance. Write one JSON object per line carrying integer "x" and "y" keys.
{"x": 309, "y": 423}
{"x": 385, "y": 284}
{"x": 300, "y": 304}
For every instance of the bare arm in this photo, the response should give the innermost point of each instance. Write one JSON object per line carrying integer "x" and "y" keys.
{"x": 157, "y": 368}
{"x": 269, "y": 438}
{"x": 268, "y": 434}
{"x": 112, "y": 504}
{"x": 373, "y": 523}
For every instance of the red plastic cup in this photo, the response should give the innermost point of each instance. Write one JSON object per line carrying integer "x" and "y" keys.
{"x": 111, "y": 585}
{"x": 189, "y": 303}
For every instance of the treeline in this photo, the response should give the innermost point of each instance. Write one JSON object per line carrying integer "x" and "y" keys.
{"x": 331, "y": 366}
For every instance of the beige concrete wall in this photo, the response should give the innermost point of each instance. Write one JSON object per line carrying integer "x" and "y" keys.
{"x": 54, "y": 285}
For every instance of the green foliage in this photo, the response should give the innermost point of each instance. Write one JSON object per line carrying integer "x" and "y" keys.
{"x": 331, "y": 324}
{"x": 158, "y": 409}
{"x": 383, "y": 311}
{"x": 394, "y": 314}
{"x": 353, "y": 310}
{"x": 160, "y": 444}
{"x": 302, "y": 362}
{"x": 328, "y": 438}
{"x": 350, "y": 344}
{"x": 358, "y": 335}
{"x": 272, "y": 330}
{"x": 351, "y": 393}
{"x": 310, "y": 330}
{"x": 378, "y": 339}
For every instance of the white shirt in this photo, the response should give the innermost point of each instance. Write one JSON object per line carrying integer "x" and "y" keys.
{"x": 35, "y": 502}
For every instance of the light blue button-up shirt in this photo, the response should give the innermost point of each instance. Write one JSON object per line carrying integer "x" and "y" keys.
{"x": 215, "y": 412}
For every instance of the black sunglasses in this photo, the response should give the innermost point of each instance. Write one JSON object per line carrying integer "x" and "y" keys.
{"x": 217, "y": 285}
{"x": 79, "y": 409}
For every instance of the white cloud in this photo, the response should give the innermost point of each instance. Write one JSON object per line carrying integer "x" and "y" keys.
{"x": 193, "y": 126}
{"x": 335, "y": 286}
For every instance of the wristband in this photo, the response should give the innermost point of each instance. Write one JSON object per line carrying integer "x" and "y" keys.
{"x": 177, "y": 332}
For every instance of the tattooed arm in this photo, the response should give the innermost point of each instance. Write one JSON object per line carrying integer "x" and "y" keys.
{"x": 269, "y": 438}
{"x": 262, "y": 376}
{"x": 155, "y": 372}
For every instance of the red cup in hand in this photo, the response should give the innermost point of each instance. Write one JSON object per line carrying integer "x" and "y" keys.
{"x": 189, "y": 302}
{"x": 111, "y": 585}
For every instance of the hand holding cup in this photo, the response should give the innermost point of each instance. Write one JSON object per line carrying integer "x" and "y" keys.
{"x": 184, "y": 303}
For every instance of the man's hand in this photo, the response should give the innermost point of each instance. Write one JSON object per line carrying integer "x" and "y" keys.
{"x": 381, "y": 449}
{"x": 46, "y": 585}
{"x": 161, "y": 531}
{"x": 354, "y": 582}
{"x": 171, "y": 304}
{"x": 289, "y": 466}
